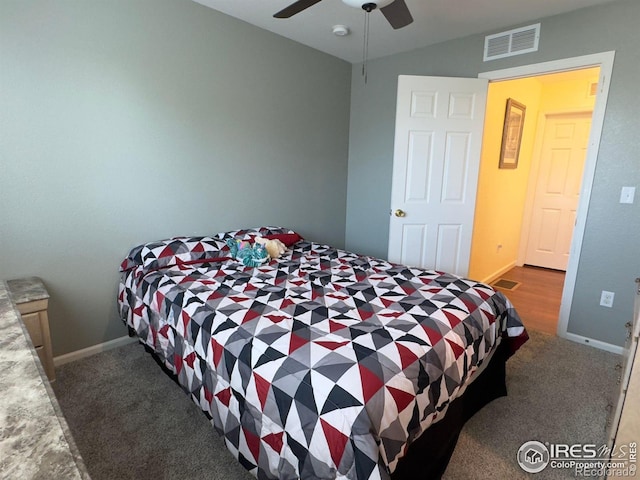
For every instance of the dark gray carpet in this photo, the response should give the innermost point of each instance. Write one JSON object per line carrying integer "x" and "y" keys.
{"x": 131, "y": 421}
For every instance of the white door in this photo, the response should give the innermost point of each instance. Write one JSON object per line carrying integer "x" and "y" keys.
{"x": 564, "y": 149}
{"x": 438, "y": 138}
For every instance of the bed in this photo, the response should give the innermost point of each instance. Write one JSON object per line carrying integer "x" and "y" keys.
{"x": 321, "y": 363}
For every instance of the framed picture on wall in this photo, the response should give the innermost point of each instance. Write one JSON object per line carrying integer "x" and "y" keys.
{"x": 512, "y": 134}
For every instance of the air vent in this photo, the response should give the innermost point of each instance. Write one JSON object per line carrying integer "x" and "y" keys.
{"x": 513, "y": 42}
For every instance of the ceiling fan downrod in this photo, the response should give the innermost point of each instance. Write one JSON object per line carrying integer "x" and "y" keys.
{"x": 367, "y": 7}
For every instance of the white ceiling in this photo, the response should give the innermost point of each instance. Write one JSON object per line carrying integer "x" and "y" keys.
{"x": 434, "y": 21}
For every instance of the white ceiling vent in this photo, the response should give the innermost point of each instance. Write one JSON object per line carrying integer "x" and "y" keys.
{"x": 513, "y": 42}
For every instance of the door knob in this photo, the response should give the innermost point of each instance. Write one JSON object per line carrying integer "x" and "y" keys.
{"x": 399, "y": 213}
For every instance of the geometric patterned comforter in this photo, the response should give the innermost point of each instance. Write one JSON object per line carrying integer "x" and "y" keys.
{"x": 319, "y": 364}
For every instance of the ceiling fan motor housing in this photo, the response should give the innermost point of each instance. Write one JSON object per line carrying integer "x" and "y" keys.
{"x": 361, "y": 3}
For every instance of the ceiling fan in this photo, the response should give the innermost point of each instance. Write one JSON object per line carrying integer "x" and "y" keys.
{"x": 395, "y": 11}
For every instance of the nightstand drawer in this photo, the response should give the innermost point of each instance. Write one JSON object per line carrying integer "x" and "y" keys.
{"x": 32, "y": 322}
{"x": 33, "y": 306}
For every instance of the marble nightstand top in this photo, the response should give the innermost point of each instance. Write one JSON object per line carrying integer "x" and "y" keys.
{"x": 28, "y": 289}
{"x": 35, "y": 441}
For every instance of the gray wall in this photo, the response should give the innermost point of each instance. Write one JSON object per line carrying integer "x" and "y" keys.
{"x": 129, "y": 121}
{"x": 610, "y": 258}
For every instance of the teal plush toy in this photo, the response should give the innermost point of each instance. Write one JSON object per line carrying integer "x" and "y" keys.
{"x": 251, "y": 255}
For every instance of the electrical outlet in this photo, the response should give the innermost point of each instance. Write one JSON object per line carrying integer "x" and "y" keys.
{"x": 606, "y": 298}
{"x": 627, "y": 194}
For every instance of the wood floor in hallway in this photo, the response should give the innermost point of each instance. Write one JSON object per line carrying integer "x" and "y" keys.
{"x": 537, "y": 298}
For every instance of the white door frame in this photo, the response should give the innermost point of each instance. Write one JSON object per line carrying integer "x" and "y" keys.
{"x": 603, "y": 60}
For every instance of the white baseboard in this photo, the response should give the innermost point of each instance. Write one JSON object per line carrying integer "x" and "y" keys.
{"x": 89, "y": 351}
{"x": 498, "y": 273}
{"x": 593, "y": 343}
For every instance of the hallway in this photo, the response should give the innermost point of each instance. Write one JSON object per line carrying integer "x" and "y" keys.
{"x": 537, "y": 298}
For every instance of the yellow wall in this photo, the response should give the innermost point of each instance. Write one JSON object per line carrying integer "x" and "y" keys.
{"x": 567, "y": 91}
{"x": 502, "y": 192}
{"x": 500, "y": 205}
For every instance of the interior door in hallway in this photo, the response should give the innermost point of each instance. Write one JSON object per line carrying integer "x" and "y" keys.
{"x": 562, "y": 156}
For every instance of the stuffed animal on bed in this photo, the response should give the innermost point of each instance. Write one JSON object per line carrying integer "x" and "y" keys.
{"x": 257, "y": 253}
{"x": 251, "y": 255}
{"x": 274, "y": 247}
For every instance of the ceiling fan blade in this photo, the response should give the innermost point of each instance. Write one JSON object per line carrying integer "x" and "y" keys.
{"x": 295, "y": 7}
{"x": 397, "y": 14}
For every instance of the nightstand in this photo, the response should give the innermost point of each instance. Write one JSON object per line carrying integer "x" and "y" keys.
{"x": 32, "y": 300}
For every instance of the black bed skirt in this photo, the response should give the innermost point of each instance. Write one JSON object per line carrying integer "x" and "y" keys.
{"x": 429, "y": 455}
